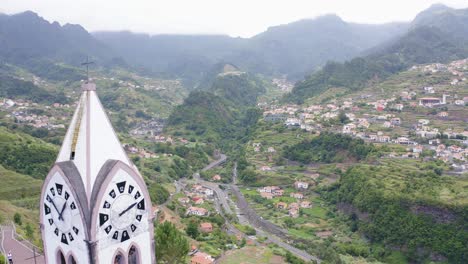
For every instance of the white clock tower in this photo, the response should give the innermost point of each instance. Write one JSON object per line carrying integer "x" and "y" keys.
{"x": 95, "y": 207}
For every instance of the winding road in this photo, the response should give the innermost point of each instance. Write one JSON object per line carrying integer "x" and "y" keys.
{"x": 247, "y": 215}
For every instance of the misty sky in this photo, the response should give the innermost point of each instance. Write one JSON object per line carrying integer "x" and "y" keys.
{"x": 243, "y": 18}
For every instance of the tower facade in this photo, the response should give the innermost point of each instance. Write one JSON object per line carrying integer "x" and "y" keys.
{"x": 95, "y": 207}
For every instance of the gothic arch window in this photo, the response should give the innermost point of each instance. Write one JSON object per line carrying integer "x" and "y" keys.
{"x": 60, "y": 258}
{"x": 133, "y": 255}
{"x": 119, "y": 259}
{"x": 71, "y": 260}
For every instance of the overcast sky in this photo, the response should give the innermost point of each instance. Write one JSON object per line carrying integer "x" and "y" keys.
{"x": 243, "y": 18}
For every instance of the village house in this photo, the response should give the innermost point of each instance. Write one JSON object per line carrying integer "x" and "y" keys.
{"x": 293, "y": 212}
{"x": 395, "y": 121}
{"x": 418, "y": 149}
{"x": 293, "y": 206}
{"x": 301, "y": 185}
{"x": 403, "y": 141}
{"x": 363, "y": 123}
{"x": 281, "y": 205}
{"x": 265, "y": 168}
{"x": 297, "y": 195}
{"x": 206, "y": 227}
{"x": 305, "y": 204}
{"x": 268, "y": 189}
{"x": 429, "y": 101}
{"x": 443, "y": 114}
{"x": 278, "y": 192}
{"x": 271, "y": 150}
{"x": 216, "y": 177}
{"x": 183, "y": 200}
{"x": 197, "y": 200}
{"x": 349, "y": 128}
{"x": 197, "y": 211}
{"x": 292, "y": 122}
{"x": 201, "y": 258}
{"x": 383, "y": 139}
{"x": 387, "y": 124}
{"x": 266, "y": 195}
{"x": 429, "y": 90}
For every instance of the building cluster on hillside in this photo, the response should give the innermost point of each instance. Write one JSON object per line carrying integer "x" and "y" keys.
{"x": 140, "y": 152}
{"x": 194, "y": 197}
{"x": 270, "y": 192}
{"x": 151, "y": 127}
{"x": 283, "y": 84}
{"x": 23, "y": 111}
{"x": 385, "y": 120}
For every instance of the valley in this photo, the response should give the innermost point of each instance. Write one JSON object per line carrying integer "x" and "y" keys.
{"x": 363, "y": 160}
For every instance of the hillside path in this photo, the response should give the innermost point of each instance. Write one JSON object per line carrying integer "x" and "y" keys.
{"x": 22, "y": 253}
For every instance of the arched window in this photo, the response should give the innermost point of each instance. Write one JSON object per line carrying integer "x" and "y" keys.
{"x": 71, "y": 260}
{"x": 119, "y": 259}
{"x": 60, "y": 258}
{"x": 133, "y": 256}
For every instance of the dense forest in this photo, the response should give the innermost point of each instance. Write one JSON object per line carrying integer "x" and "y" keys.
{"x": 438, "y": 229}
{"x": 329, "y": 147}
{"x": 25, "y": 154}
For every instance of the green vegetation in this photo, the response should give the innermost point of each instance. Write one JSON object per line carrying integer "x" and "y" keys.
{"x": 158, "y": 193}
{"x": 407, "y": 213}
{"x": 171, "y": 245}
{"x": 421, "y": 45}
{"x": 26, "y": 154}
{"x": 329, "y": 147}
{"x": 211, "y": 119}
{"x": 11, "y": 87}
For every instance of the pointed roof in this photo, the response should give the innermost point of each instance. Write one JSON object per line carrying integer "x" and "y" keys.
{"x": 91, "y": 140}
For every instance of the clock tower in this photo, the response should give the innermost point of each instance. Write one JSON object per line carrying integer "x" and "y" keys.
{"x": 95, "y": 207}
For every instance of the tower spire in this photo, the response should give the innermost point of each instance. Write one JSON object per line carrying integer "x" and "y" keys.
{"x": 91, "y": 140}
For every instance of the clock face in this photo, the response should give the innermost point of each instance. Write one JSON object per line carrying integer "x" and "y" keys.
{"x": 61, "y": 213}
{"x": 122, "y": 210}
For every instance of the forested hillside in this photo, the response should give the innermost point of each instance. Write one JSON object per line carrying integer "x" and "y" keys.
{"x": 426, "y": 42}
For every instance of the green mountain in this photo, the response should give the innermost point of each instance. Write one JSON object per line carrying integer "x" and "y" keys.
{"x": 426, "y": 42}
{"x": 292, "y": 49}
{"x": 222, "y": 112}
{"x": 203, "y": 114}
{"x": 227, "y": 81}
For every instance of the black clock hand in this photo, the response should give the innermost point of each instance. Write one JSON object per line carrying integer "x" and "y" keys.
{"x": 126, "y": 210}
{"x": 61, "y": 212}
{"x": 56, "y": 209}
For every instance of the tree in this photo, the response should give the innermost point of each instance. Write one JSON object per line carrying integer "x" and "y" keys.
{"x": 343, "y": 118}
{"x": 171, "y": 245}
{"x": 192, "y": 229}
{"x": 17, "y": 219}
{"x": 29, "y": 231}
